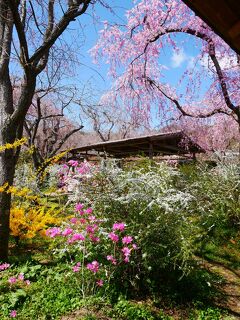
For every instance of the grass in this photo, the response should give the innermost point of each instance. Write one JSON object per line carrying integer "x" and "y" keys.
{"x": 54, "y": 293}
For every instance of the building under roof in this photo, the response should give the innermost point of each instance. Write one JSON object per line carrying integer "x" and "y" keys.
{"x": 171, "y": 143}
{"x": 223, "y": 16}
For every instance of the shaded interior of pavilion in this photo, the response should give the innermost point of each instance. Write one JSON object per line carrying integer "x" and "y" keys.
{"x": 171, "y": 145}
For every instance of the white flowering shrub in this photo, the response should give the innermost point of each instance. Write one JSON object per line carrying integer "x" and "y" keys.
{"x": 216, "y": 199}
{"x": 25, "y": 177}
{"x": 159, "y": 214}
{"x": 172, "y": 212}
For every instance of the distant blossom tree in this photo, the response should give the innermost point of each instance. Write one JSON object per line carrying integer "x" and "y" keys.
{"x": 110, "y": 123}
{"x": 134, "y": 51}
{"x": 48, "y": 129}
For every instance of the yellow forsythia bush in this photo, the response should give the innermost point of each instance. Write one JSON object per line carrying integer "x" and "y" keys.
{"x": 26, "y": 223}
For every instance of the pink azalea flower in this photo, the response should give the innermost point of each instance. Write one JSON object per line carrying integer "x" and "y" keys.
{"x": 84, "y": 168}
{"x": 73, "y": 163}
{"x": 93, "y": 266}
{"x": 21, "y": 277}
{"x": 119, "y": 226}
{"x": 79, "y": 207}
{"x": 4, "y": 266}
{"x": 113, "y": 236}
{"x": 91, "y": 229}
{"x": 12, "y": 280}
{"x": 76, "y": 237}
{"x": 89, "y": 211}
{"x": 53, "y": 232}
{"x": 127, "y": 239}
{"x": 94, "y": 239}
{"x": 126, "y": 251}
{"x": 100, "y": 282}
{"x": 82, "y": 220}
{"x": 134, "y": 246}
{"x": 13, "y": 314}
{"x": 67, "y": 231}
{"x": 76, "y": 268}
{"x": 112, "y": 259}
{"x": 92, "y": 218}
{"x": 73, "y": 220}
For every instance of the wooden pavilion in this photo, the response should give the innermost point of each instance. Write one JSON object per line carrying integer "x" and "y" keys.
{"x": 171, "y": 143}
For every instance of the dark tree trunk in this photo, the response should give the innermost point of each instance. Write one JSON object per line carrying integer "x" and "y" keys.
{"x": 10, "y": 130}
{"x": 6, "y": 134}
{"x": 7, "y": 162}
{"x": 7, "y": 168}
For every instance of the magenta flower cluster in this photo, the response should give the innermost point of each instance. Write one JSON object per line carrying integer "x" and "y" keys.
{"x": 126, "y": 240}
{"x": 13, "y": 314}
{"x": 71, "y": 171}
{"x": 4, "y": 266}
{"x": 19, "y": 278}
{"x": 93, "y": 266}
{"x": 84, "y": 231}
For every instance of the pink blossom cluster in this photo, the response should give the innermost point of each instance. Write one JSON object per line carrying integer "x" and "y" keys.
{"x": 100, "y": 283}
{"x": 79, "y": 209}
{"x": 113, "y": 236}
{"x": 70, "y": 173}
{"x": 126, "y": 252}
{"x": 19, "y": 278}
{"x": 93, "y": 266}
{"x": 4, "y": 266}
{"x": 72, "y": 163}
{"x": 133, "y": 51}
{"x": 126, "y": 240}
{"x": 13, "y": 314}
{"x": 53, "y": 232}
{"x": 67, "y": 231}
{"x": 76, "y": 268}
{"x": 112, "y": 259}
{"x": 83, "y": 220}
{"x": 118, "y": 226}
{"x": 76, "y": 237}
{"x": 86, "y": 229}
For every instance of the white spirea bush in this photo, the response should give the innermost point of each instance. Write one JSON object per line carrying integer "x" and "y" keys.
{"x": 158, "y": 213}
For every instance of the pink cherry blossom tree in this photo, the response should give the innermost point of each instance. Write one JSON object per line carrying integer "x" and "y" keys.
{"x": 134, "y": 51}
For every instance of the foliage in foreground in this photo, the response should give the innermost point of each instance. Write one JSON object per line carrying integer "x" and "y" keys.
{"x": 170, "y": 216}
{"x": 172, "y": 213}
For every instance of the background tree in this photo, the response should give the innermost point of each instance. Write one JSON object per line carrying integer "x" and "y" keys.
{"x": 111, "y": 123}
{"x": 208, "y": 87}
{"x": 48, "y": 129}
{"x": 29, "y": 35}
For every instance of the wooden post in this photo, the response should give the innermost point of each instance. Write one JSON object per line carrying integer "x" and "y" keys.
{"x": 150, "y": 151}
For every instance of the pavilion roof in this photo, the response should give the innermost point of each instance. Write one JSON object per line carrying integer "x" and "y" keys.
{"x": 223, "y": 16}
{"x": 170, "y": 143}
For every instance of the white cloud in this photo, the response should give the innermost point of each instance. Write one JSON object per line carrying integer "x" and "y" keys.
{"x": 178, "y": 58}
